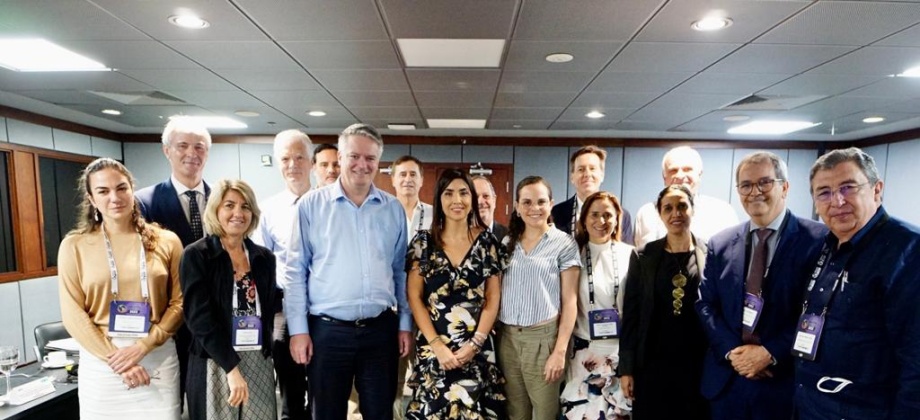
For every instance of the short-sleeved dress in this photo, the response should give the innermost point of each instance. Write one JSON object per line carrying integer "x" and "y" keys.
{"x": 455, "y": 297}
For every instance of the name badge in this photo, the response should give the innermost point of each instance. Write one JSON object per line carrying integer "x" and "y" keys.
{"x": 808, "y": 335}
{"x": 604, "y": 323}
{"x": 753, "y": 306}
{"x": 129, "y": 319}
{"x": 247, "y": 333}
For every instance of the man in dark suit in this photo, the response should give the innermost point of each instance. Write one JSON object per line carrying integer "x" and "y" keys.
{"x": 485, "y": 195}
{"x": 586, "y": 173}
{"x": 178, "y": 202}
{"x": 751, "y": 296}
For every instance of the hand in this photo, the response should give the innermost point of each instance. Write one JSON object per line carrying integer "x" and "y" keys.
{"x": 135, "y": 376}
{"x": 126, "y": 357}
{"x": 751, "y": 361}
{"x": 239, "y": 389}
{"x": 446, "y": 358}
{"x": 465, "y": 354}
{"x": 555, "y": 365}
{"x": 301, "y": 349}
{"x": 406, "y": 342}
{"x": 626, "y": 384}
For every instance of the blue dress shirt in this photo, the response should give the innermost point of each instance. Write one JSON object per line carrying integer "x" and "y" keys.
{"x": 345, "y": 261}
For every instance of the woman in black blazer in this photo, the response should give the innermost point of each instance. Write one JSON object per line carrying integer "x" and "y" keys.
{"x": 663, "y": 343}
{"x": 229, "y": 287}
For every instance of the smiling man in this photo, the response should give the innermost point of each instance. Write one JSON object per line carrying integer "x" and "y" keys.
{"x": 406, "y": 175}
{"x": 858, "y": 339}
{"x": 750, "y": 296}
{"x": 325, "y": 164}
{"x": 586, "y": 173}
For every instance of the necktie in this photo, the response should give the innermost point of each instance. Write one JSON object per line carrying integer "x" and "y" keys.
{"x": 194, "y": 214}
{"x": 754, "y": 281}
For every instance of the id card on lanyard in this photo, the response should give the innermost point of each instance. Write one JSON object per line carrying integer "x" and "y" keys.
{"x": 247, "y": 329}
{"x": 128, "y": 318}
{"x": 603, "y": 323}
{"x": 811, "y": 326}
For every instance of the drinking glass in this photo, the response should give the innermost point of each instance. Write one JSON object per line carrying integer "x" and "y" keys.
{"x": 9, "y": 358}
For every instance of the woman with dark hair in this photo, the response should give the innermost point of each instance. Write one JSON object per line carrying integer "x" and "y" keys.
{"x": 663, "y": 342}
{"x": 592, "y": 390}
{"x": 539, "y": 305}
{"x": 121, "y": 300}
{"x": 454, "y": 293}
{"x": 229, "y": 287}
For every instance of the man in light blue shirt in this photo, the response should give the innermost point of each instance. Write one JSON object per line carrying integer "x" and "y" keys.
{"x": 344, "y": 275}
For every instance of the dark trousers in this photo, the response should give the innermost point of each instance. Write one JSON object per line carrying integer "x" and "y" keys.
{"x": 292, "y": 378}
{"x": 764, "y": 399}
{"x": 346, "y": 354}
{"x": 183, "y": 343}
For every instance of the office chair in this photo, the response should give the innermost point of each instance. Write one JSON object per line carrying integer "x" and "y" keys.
{"x": 48, "y": 332}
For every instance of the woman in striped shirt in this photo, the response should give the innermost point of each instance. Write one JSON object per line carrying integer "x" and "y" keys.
{"x": 539, "y": 304}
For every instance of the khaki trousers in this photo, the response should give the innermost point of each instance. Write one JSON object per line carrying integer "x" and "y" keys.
{"x": 522, "y": 354}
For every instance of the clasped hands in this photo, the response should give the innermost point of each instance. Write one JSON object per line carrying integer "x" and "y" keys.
{"x": 751, "y": 361}
{"x": 124, "y": 361}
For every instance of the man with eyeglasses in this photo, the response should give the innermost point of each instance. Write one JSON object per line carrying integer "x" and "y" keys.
{"x": 857, "y": 341}
{"x": 750, "y": 296}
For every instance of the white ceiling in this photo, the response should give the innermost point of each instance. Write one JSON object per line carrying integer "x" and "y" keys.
{"x": 638, "y": 61}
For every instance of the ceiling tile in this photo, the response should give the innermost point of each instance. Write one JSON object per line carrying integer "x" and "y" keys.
{"x": 362, "y": 79}
{"x": 613, "y": 100}
{"x": 386, "y": 112}
{"x": 534, "y": 99}
{"x": 69, "y": 97}
{"x": 610, "y": 81}
{"x": 543, "y": 81}
{"x": 731, "y": 83}
{"x": 636, "y": 125}
{"x": 302, "y": 100}
{"x": 766, "y": 58}
{"x": 218, "y": 98}
{"x": 179, "y": 79}
{"x": 477, "y": 19}
{"x": 873, "y": 61}
{"x": 588, "y": 56}
{"x": 584, "y": 124}
{"x": 63, "y": 21}
{"x": 270, "y": 79}
{"x": 844, "y": 23}
{"x": 670, "y": 57}
{"x": 456, "y": 113}
{"x": 679, "y": 108}
{"x": 104, "y": 80}
{"x": 751, "y": 18}
{"x": 317, "y": 20}
{"x": 213, "y": 54}
{"x": 519, "y": 124}
{"x": 453, "y": 80}
{"x": 839, "y": 106}
{"x": 457, "y": 99}
{"x": 907, "y": 38}
{"x": 559, "y": 20}
{"x": 610, "y": 114}
{"x": 375, "y": 98}
{"x": 132, "y": 54}
{"x": 526, "y": 113}
{"x": 151, "y": 17}
{"x": 346, "y": 55}
{"x": 812, "y": 83}
{"x": 892, "y": 87}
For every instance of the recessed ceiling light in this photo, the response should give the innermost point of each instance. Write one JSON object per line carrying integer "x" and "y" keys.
{"x": 595, "y": 114}
{"x": 398, "y": 126}
{"x": 317, "y": 113}
{"x": 516, "y": 126}
{"x": 873, "y": 120}
{"x": 212, "y": 122}
{"x": 711, "y": 23}
{"x": 247, "y": 114}
{"x": 771, "y": 127}
{"x": 451, "y": 52}
{"x": 111, "y": 111}
{"x": 911, "y": 72}
{"x": 559, "y": 58}
{"x": 735, "y": 118}
{"x": 40, "y": 55}
{"x": 455, "y": 123}
{"x": 189, "y": 21}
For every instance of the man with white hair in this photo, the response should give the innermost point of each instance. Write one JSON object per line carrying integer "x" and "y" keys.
{"x": 294, "y": 158}
{"x": 683, "y": 165}
{"x": 177, "y": 203}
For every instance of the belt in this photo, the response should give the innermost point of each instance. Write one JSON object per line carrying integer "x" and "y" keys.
{"x": 359, "y": 323}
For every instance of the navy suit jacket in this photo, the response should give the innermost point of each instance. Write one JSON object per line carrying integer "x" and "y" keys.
{"x": 722, "y": 294}
{"x": 160, "y": 204}
{"x": 562, "y": 217}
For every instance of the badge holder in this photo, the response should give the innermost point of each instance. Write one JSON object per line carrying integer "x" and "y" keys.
{"x": 604, "y": 323}
{"x": 808, "y": 336}
{"x": 753, "y": 307}
{"x": 129, "y": 319}
{"x": 247, "y": 333}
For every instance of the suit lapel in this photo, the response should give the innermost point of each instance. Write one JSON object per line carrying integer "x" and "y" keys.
{"x": 737, "y": 274}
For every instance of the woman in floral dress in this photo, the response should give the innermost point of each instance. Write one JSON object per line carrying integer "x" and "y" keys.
{"x": 454, "y": 292}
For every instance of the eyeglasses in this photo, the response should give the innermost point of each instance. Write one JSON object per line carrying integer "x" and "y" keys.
{"x": 825, "y": 195}
{"x": 765, "y": 185}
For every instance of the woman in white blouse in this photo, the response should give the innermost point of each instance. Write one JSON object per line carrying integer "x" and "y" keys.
{"x": 539, "y": 304}
{"x": 592, "y": 389}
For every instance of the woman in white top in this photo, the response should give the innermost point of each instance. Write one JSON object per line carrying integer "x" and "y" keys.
{"x": 592, "y": 390}
{"x": 539, "y": 304}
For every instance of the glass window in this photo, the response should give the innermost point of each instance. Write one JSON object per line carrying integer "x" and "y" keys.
{"x": 60, "y": 201}
{"x": 7, "y": 246}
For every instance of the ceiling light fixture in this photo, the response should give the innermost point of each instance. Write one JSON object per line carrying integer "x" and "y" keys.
{"x": 911, "y": 72}
{"x": 770, "y": 127}
{"x": 427, "y": 52}
{"x": 735, "y": 118}
{"x": 595, "y": 115}
{"x": 211, "y": 122}
{"x": 317, "y": 113}
{"x": 401, "y": 126}
{"x": 455, "y": 123}
{"x": 40, "y": 55}
{"x": 247, "y": 114}
{"x": 711, "y": 23}
{"x": 559, "y": 58}
{"x": 189, "y": 21}
{"x": 873, "y": 120}
{"x": 111, "y": 111}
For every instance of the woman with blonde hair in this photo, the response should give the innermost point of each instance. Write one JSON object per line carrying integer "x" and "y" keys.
{"x": 121, "y": 300}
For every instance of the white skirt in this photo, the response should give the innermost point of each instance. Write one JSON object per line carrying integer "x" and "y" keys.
{"x": 103, "y": 395}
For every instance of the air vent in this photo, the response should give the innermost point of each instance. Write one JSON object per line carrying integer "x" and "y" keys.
{"x": 771, "y": 102}
{"x": 140, "y": 98}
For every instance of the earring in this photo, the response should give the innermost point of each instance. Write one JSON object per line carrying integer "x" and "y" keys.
{"x": 97, "y": 216}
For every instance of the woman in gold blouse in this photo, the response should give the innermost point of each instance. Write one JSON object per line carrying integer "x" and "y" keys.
{"x": 121, "y": 300}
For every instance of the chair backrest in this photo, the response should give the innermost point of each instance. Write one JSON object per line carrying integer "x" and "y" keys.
{"x": 47, "y": 332}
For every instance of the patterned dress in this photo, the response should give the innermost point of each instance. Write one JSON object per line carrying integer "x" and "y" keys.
{"x": 455, "y": 298}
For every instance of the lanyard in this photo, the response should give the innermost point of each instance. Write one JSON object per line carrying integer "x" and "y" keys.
{"x": 616, "y": 275}
{"x": 236, "y": 303}
{"x": 113, "y": 271}
{"x": 574, "y": 216}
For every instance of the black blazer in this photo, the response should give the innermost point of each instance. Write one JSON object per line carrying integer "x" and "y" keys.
{"x": 206, "y": 274}
{"x": 160, "y": 204}
{"x": 562, "y": 217}
{"x": 639, "y": 301}
{"x": 499, "y": 231}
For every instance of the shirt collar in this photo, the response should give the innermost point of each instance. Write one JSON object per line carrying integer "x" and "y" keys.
{"x": 879, "y": 214}
{"x": 181, "y": 188}
{"x": 288, "y": 197}
{"x": 774, "y": 225}
{"x": 338, "y": 192}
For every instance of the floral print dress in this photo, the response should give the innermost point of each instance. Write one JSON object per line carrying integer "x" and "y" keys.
{"x": 455, "y": 297}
